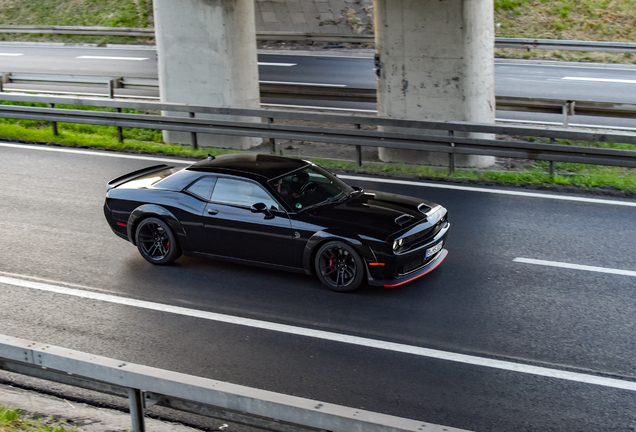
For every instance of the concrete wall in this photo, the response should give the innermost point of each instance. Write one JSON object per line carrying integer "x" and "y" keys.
{"x": 315, "y": 16}
{"x": 436, "y": 62}
{"x": 207, "y": 56}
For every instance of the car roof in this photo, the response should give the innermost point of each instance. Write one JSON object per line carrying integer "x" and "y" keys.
{"x": 268, "y": 166}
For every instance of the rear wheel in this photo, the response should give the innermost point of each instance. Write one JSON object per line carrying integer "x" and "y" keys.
{"x": 339, "y": 266}
{"x": 156, "y": 242}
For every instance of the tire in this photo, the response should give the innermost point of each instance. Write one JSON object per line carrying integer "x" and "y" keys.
{"x": 338, "y": 266}
{"x": 156, "y": 241}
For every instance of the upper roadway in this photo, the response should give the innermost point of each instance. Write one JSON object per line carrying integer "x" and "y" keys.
{"x": 566, "y": 81}
{"x": 527, "y": 326}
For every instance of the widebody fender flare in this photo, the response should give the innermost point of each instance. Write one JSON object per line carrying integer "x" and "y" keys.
{"x": 154, "y": 210}
{"x": 325, "y": 235}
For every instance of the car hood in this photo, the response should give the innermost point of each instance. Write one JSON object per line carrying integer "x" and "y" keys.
{"x": 374, "y": 214}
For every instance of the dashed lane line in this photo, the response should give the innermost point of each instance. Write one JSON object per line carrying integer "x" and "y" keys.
{"x": 111, "y": 58}
{"x": 607, "y": 80}
{"x": 329, "y": 336}
{"x": 277, "y": 64}
{"x": 303, "y": 84}
{"x": 574, "y": 266}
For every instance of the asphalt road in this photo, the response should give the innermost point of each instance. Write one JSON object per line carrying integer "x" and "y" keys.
{"x": 589, "y": 82}
{"x": 487, "y": 301}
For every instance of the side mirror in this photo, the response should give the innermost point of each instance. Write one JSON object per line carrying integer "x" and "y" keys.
{"x": 262, "y": 208}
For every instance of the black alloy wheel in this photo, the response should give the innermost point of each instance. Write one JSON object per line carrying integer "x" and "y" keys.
{"x": 156, "y": 242}
{"x": 339, "y": 266}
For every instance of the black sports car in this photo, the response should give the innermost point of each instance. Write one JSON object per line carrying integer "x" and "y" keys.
{"x": 277, "y": 212}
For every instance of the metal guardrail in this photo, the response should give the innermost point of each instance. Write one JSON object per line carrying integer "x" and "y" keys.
{"x": 547, "y": 106}
{"x": 110, "y": 82}
{"x": 565, "y": 45}
{"x": 146, "y": 386}
{"x": 79, "y": 30}
{"x": 436, "y": 136}
{"x": 500, "y": 42}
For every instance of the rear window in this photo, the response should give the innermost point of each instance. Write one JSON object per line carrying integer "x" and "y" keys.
{"x": 202, "y": 188}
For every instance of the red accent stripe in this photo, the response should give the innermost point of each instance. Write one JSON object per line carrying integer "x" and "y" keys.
{"x": 122, "y": 224}
{"x": 416, "y": 277}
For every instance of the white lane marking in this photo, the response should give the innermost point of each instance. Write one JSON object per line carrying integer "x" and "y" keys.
{"x": 343, "y": 176}
{"x": 112, "y": 58}
{"x": 605, "y": 67}
{"x": 548, "y": 123}
{"x": 98, "y": 153}
{"x": 329, "y": 336}
{"x": 575, "y": 266}
{"x": 11, "y": 54}
{"x": 317, "y": 108}
{"x": 276, "y": 64}
{"x": 611, "y": 80}
{"x": 493, "y": 191}
{"x": 302, "y": 84}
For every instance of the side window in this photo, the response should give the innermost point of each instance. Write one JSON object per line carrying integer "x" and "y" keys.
{"x": 202, "y": 188}
{"x": 241, "y": 193}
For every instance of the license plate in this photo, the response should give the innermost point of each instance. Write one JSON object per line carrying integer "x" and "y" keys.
{"x": 433, "y": 250}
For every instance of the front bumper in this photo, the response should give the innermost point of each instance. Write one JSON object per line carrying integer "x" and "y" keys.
{"x": 429, "y": 267}
{"x": 395, "y": 270}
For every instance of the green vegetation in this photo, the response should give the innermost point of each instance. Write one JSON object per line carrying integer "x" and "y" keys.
{"x": 15, "y": 421}
{"x": 591, "y": 20}
{"x": 112, "y": 13}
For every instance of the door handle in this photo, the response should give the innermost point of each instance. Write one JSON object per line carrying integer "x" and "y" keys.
{"x": 213, "y": 211}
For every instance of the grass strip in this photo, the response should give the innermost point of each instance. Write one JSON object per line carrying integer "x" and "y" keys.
{"x": 12, "y": 420}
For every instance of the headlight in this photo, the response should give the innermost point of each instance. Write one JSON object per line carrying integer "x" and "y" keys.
{"x": 398, "y": 244}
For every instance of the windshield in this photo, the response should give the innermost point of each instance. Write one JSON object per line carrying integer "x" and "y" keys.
{"x": 309, "y": 187}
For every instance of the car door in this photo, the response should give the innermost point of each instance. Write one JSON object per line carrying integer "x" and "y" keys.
{"x": 234, "y": 228}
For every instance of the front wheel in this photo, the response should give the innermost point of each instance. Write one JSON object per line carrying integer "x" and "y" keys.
{"x": 339, "y": 266}
{"x": 156, "y": 242}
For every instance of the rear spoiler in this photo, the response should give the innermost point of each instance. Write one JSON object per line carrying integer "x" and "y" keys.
{"x": 135, "y": 174}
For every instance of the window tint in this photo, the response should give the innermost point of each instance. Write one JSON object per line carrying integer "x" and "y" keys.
{"x": 310, "y": 186}
{"x": 202, "y": 187}
{"x": 241, "y": 193}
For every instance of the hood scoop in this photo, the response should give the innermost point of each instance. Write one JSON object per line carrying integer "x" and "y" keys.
{"x": 403, "y": 219}
{"x": 423, "y": 208}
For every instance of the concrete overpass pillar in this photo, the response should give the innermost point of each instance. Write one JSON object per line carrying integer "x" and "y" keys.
{"x": 207, "y": 56}
{"x": 435, "y": 62}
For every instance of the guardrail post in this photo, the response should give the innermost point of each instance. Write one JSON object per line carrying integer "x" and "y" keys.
{"x": 136, "y": 403}
{"x": 120, "y": 130}
{"x": 111, "y": 89}
{"x": 112, "y": 85}
{"x": 552, "y": 141}
{"x": 272, "y": 141}
{"x": 54, "y": 124}
{"x": 451, "y": 154}
{"x": 568, "y": 110}
{"x": 4, "y": 78}
{"x": 358, "y": 150}
{"x": 193, "y": 136}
